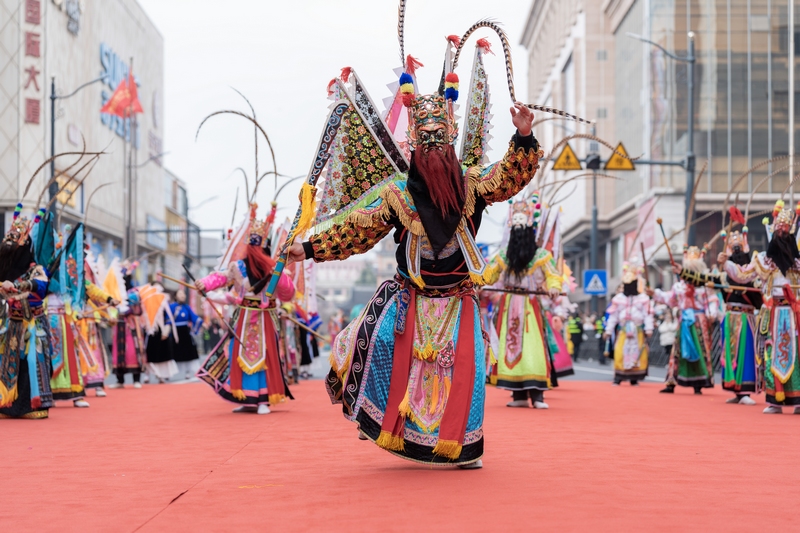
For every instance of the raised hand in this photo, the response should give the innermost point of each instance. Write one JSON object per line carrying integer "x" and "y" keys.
{"x": 522, "y": 118}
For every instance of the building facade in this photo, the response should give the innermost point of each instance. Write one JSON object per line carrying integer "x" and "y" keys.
{"x": 129, "y": 201}
{"x": 585, "y": 58}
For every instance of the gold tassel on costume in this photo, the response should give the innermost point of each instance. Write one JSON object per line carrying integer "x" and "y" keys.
{"x": 434, "y": 394}
{"x": 780, "y": 396}
{"x": 387, "y": 441}
{"x": 276, "y": 398}
{"x": 76, "y": 388}
{"x": 308, "y": 203}
{"x": 416, "y": 280}
{"x": 404, "y": 408}
{"x": 238, "y": 394}
{"x": 7, "y": 396}
{"x": 448, "y": 448}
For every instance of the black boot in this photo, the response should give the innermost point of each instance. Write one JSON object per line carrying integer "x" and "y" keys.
{"x": 669, "y": 389}
{"x": 698, "y": 390}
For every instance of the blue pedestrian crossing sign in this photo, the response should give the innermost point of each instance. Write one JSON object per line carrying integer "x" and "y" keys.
{"x": 595, "y": 282}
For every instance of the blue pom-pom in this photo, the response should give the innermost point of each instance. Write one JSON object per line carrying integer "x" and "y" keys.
{"x": 406, "y": 78}
{"x": 451, "y": 94}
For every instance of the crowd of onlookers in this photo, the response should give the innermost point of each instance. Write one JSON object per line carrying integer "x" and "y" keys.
{"x": 585, "y": 333}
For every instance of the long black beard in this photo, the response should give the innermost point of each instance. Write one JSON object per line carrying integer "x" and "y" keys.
{"x": 631, "y": 289}
{"x": 782, "y": 249}
{"x": 15, "y": 260}
{"x": 739, "y": 257}
{"x": 521, "y": 249}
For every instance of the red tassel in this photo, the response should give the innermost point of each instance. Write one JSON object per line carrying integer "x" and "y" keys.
{"x": 736, "y": 215}
{"x": 408, "y": 99}
{"x": 455, "y": 39}
{"x": 330, "y": 87}
{"x": 451, "y": 77}
{"x": 346, "y": 71}
{"x": 485, "y": 45}
{"x": 412, "y": 64}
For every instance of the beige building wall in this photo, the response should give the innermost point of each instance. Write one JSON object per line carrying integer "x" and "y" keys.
{"x": 70, "y": 50}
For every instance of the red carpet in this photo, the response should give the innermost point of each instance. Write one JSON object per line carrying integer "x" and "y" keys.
{"x": 174, "y": 458}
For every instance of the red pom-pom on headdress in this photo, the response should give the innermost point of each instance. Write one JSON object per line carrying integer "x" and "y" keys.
{"x": 736, "y": 215}
{"x": 345, "y": 75}
{"x": 485, "y": 45}
{"x": 455, "y": 39}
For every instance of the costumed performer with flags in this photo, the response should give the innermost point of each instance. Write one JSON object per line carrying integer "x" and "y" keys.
{"x": 187, "y": 324}
{"x": 245, "y": 368}
{"x": 127, "y": 348}
{"x": 409, "y": 370}
{"x": 25, "y": 366}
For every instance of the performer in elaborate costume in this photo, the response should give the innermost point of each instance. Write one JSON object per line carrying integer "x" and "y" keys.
{"x": 161, "y": 330}
{"x": 524, "y": 362}
{"x": 630, "y": 318}
{"x": 690, "y": 361}
{"x": 91, "y": 345}
{"x": 410, "y": 369}
{"x": 739, "y": 323}
{"x": 128, "y": 349}
{"x": 246, "y": 368}
{"x": 66, "y": 291}
{"x": 25, "y": 366}
{"x": 187, "y": 324}
{"x": 776, "y": 333}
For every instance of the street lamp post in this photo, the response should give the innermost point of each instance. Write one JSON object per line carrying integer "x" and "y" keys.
{"x": 689, "y": 162}
{"x": 593, "y": 163}
{"x": 53, "y": 190}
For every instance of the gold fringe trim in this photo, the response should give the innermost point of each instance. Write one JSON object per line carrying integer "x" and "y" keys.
{"x": 434, "y": 394}
{"x": 238, "y": 394}
{"x": 7, "y": 397}
{"x": 387, "y": 441}
{"x": 262, "y": 365}
{"x": 344, "y": 369}
{"x": 404, "y": 408}
{"x": 76, "y": 388}
{"x": 414, "y": 226}
{"x": 780, "y": 396}
{"x": 277, "y": 398}
{"x": 448, "y": 448}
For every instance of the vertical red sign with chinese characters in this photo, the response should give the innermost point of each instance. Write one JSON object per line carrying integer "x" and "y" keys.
{"x": 32, "y": 80}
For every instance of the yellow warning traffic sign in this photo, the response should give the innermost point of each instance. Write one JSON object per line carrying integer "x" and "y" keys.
{"x": 619, "y": 162}
{"x": 567, "y": 160}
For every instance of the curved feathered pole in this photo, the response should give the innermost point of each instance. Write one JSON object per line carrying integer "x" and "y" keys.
{"x": 248, "y": 117}
{"x": 255, "y": 131}
{"x": 761, "y": 183}
{"x": 89, "y": 201}
{"x": 540, "y": 121}
{"x": 562, "y": 183}
{"x": 47, "y": 162}
{"x": 742, "y": 177}
{"x": 559, "y": 200}
{"x": 235, "y": 205}
{"x": 290, "y": 180}
{"x": 565, "y": 140}
{"x": 95, "y": 159}
{"x": 63, "y": 186}
{"x": 246, "y": 184}
{"x": 504, "y": 43}
{"x": 789, "y": 186}
{"x": 641, "y": 227}
{"x": 401, "y": 28}
{"x": 81, "y": 153}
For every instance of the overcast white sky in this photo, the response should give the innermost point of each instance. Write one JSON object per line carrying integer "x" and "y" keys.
{"x": 282, "y": 55}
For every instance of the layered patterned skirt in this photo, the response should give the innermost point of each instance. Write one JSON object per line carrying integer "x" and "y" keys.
{"x": 25, "y": 367}
{"x": 92, "y": 348}
{"x": 410, "y": 371}
{"x": 739, "y": 356}
{"x": 67, "y": 380}
{"x": 690, "y": 361}
{"x": 250, "y": 372}
{"x": 631, "y": 353}
{"x": 777, "y": 341}
{"x": 523, "y": 361}
{"x": 127, "y": 349}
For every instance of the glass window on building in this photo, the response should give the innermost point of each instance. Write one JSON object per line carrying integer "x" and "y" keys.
{"x": 182, "y": 201}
